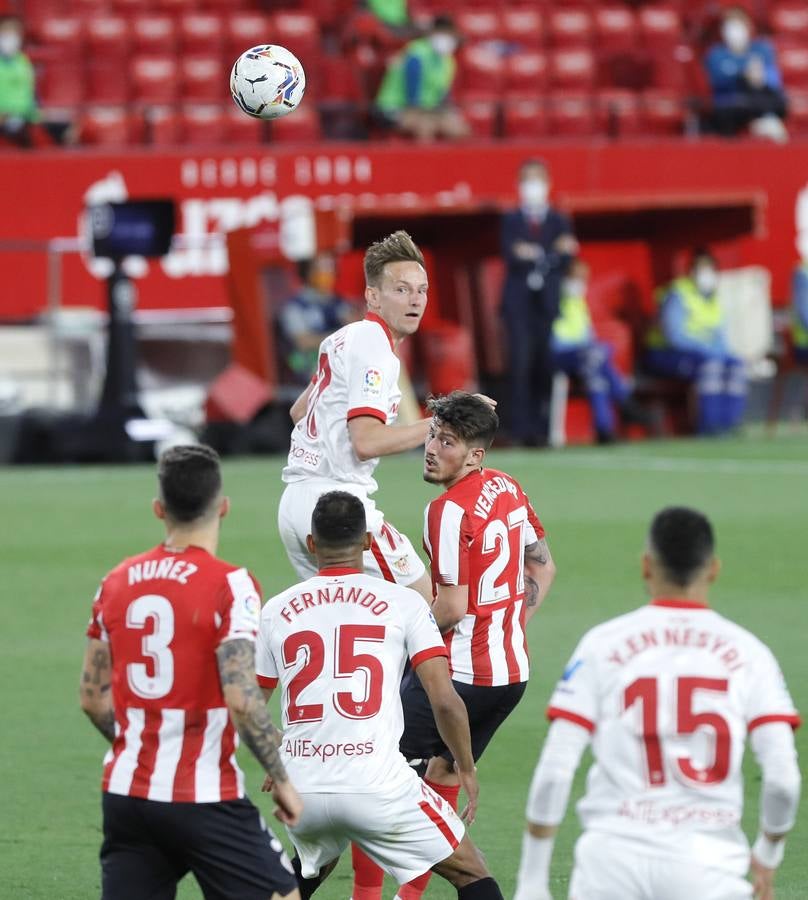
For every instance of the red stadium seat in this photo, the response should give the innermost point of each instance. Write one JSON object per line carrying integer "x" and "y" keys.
{"x": 153, "y": 33}
{"x": 789, "y": 20}
{"x": 298, "y": 32}
{"x": 201, "y": 32}
{"x": 62, "y": 37}
{"x": 61, "y": 84}
{"x": 615, "y": 29}
{"x": 203, "y": 79}
{"x": 130, "y": 7}
{"x": 570, "y": 115}
{"x": 523, "y": 25}
{"x": 163, "y": 126}
{"x": 794, "y": 65}
{"x": 572, "y": 68}
{"x": 663, "y": 112}
{"x": 203, "y": 125}
{"x": 660, "y": 27}
{"x": 107, "y": 38}
{"x": 523, "y": 118}
{"x": 155, "y": 79}
{"x": 618, "y": 113}
{"x": 481, "y": 114}
{"x": 797, "y": 121}
{"x": 107, "y": 82}
{"x": 481, "y": 71}
{"x": 243, "y": 30}
{"x": 340, "y": 80}
{"x": 525, "y": 73}
{"x": 570, "y": 26}
{"x": 108, "y": 126}
{"x": 303, "y": 125}
{"x": 241, "y": 129}
{"x": 176, "y": 6}
{"x": 479, "y": 24}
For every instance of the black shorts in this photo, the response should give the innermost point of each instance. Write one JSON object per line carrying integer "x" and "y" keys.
{"x": 487, "y": 707}
{"x": 149, "y": 846}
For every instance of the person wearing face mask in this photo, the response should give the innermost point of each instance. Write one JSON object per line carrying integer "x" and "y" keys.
{"x": 745, "y": 80}
{"x": 18, "y": 107}
{"x": 308, "y": 317}
{"x": 578, "y": 352}
{"x": 414, "y": 97}
{"x": 537, "y": 246}
{"x": 689, "y": 342}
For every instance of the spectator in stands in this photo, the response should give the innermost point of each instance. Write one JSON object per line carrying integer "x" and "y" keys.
{"x": 689, "y": 342}
{"x": 799, "y": 325}
{"x": 394, "y": 15}
{"x": 745, "y": 80}
{"x": 311, "y": 315}
{"x": 538, "y": 246}
{"x": 414, "y": 96}
{"x": 577, "y": 352}
{"x": 18, "y": 108}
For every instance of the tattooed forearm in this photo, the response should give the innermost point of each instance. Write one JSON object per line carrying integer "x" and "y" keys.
{"x": 538, "y": 553}
{"x": 532, "y": 591}
{"x": 105, "y": 723}
{"x": 247, "y": 706}
{"x": 96, "y": 681}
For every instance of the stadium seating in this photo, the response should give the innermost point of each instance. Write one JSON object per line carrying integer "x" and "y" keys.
{"x": 304, "y": 125}
{"x": 107, "y": 38}
{"x": 789, "y": 21}
{"x": 202, "y": 78}
{"x": 615, "y": 28}
{"x": 523, "y": 26}
{"x": 481, "y": 114}
{"x": 109, "y": 127}
{"x": 618, "y": 113}
{"x": 200, "y": 33}
{"x": 523, "y": 118}
{"x": 525, "y": 73}
{"x": 572, "y": 68}
{"x": 154, "y": 33}
{"x": 570, "y": 114}
{"x": 570, "y": 26}
{"x": 155, "y": 79}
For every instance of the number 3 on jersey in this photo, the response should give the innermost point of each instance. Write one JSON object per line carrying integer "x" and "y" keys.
{"x": 347, "y": 663}
{"x": 322, "y": 382}
{"x": 156, "y": 609}
{"x": 645, "y": 691}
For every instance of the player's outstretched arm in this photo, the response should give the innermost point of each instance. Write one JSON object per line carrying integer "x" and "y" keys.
{"x": 773, "y": 746}
{"x": 250, "y": 715}
{"x": 453, "y": 726}
{"x": 370, "y": 437}
{"x": 546, "y": 805}
{"x": 95, "y": 688}
{"x": 540, "y": 571}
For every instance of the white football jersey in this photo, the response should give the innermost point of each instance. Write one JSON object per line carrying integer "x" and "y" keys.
{"x": 336, "y": 645}
{"x": 670, "y": 692}
{"x": 357, "y": 375}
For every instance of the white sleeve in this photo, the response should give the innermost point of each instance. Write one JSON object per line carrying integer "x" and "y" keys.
{"x": 266, "y": 668}
{"x": 768, "y": 699}
{"x": 372, "y": 374}
{"x": 776, "y": 753}
{"x": 555, "y": 770}
{"x": 242, "y": 611}
{"x": 575, "y": 697}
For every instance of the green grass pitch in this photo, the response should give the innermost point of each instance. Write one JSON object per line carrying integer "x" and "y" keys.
{"x": 63, "y": 528}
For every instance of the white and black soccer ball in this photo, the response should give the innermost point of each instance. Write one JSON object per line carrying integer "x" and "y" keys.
{"x": 267, "y": 82}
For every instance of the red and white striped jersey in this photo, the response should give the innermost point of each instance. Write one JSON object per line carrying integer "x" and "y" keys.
{"x": 357, "y": 375}
{"x": 475, "y": 534}
{"x": 164, "y": 613}
{"x": 670, "y": 693}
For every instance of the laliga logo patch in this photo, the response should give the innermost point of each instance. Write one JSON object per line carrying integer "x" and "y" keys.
{"x": 372, "y": 386}
{"x": 252, "y": 605}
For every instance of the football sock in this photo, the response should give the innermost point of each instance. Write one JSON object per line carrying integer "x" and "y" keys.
{"x": 368, "y": 877}
{"x": 306, "y": 886}
{"x": 415, "y": 888}
{"x": 483, "y": 889}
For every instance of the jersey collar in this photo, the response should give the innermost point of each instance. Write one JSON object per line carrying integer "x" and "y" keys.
{"x": 373, "y": 317}
{"x": 676, "y": 603}
{"x": 339, "y": 570}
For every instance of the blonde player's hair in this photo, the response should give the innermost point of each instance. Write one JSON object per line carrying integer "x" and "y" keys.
{"x": 396, "y": 247}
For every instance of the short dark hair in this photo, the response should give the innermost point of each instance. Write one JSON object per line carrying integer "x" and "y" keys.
{"x": 190, "y": 480}
{"x": 682, "y": 540}
{"x": 533, "y": 162}
{"x": 338, "y": 520}
{"x": 472, "y": 419}
{"x": 700, "y": 253}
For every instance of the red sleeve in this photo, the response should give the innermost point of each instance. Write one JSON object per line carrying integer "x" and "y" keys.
{"x": 96, "y": 629}
{"x": 793, "y": 720}
{"x": 359, "y": 411}
{"x": 429, "y": 653}
{"x": 265, "y": 681}
{"x": 534, "y": 521}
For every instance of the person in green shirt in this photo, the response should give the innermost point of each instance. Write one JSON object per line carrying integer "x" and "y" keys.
{"x": 18, "y": 109}
{"x": 414, "y": 96}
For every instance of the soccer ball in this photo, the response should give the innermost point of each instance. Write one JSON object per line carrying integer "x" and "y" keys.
{"x": 267, "y": 82}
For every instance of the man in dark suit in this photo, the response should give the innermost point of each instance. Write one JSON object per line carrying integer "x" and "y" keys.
{"x": 538, "y": 245}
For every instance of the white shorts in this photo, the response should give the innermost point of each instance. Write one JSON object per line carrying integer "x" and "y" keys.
{"x": 608, "y": 867}
{"x": 406, "y": 831}
{"x": 391, "y": 556}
